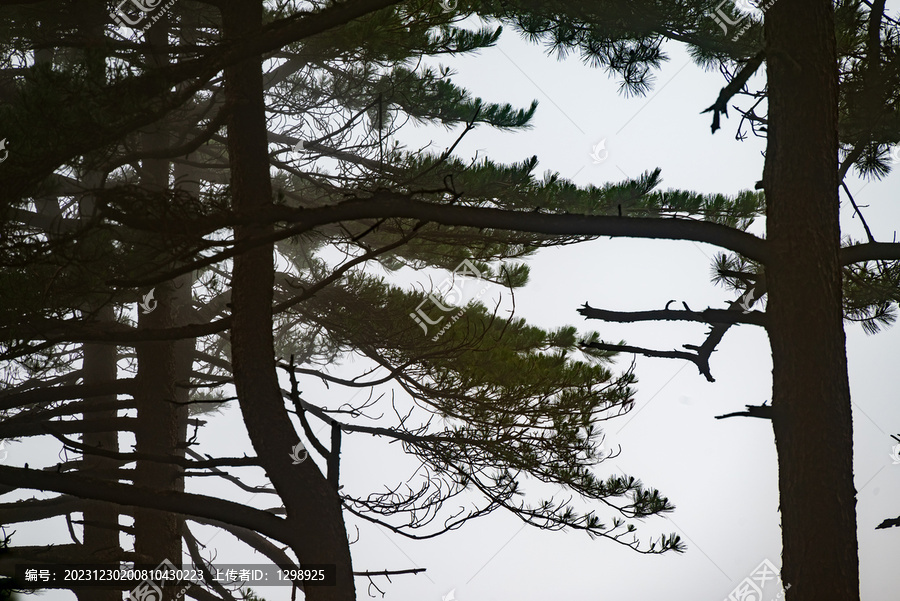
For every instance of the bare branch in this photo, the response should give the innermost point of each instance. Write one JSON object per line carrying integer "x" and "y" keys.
{"x": 214, "y": 471}
{"x": 701, "y": 362}
{"x": 709, "y": 316}
{"x": 390, "y": 572}
{"x": 763, "y": 411}
{"x": 129, "y": 457}
{"x": 701, "y": 355}
{"x": 187, "y": 504}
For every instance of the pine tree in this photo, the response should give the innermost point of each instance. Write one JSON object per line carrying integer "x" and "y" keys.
{"x": 810, "y": 391}
{"x": 533, "y": 378}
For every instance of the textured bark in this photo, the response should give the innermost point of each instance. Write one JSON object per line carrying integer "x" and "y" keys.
{"x": 183, "y": 314}
{"x": 99, "y": 366}
{"x": 811, "y": 394}
{"x": 101, "y": 524}
{"x": 312, "y": 507}
{"x": 160, "y": 418}
{"x": 157, "y": 535}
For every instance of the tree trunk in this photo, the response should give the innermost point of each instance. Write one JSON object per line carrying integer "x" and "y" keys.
{"x": 313, "y": 510}
{"x": 159, "y": 428}
{"x": 99, "y": 365}
{"x": 101, "y": 522}
{"x": 811, "y": 393}
{"x": 183, "y": 314}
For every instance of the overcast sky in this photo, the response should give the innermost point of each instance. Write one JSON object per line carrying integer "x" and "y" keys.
{"x": 720, "y": 474}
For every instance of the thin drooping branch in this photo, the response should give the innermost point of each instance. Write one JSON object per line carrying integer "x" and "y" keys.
{"x": 201, "y": 565}
{"x": 394, "y": 433}
{"x": 128, "y": 457}
{"x": 354, "y": 383}
{"x": 387, "y": 574}
{"x": 858, "y": 212}
{"x": 341, "y": 270}
{"x": 255, "y": 541}
{"x": 214, "y": 471}
{"x": 734, "y": 86}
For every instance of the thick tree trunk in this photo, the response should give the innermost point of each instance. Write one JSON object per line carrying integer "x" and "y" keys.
{"x": 99, "y": 365}
{"x": 101, "y": 522}
{"x": 160, "y": 418}
{"x": 811, "y": 393}
{"x": 183, "y": 314}
{"x": 313, "y": 511}
{"x": 157, "y": 535}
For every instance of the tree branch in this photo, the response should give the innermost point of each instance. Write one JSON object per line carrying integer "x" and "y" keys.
{"x": 763, "y": 411}
{"x": 187, "y": 504}
{"x": 390, "y": 572}
{"x": 223, "y": 474}
{"x": 129, "y": 457}
{"x": 709, "y": 316}
{"x": 385, "y": 203}
{"x": 702, "y": 353}
{"x": 701, "y": 362}
{"x": 871, "y": 251}
{"x": 734, "y": 86}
